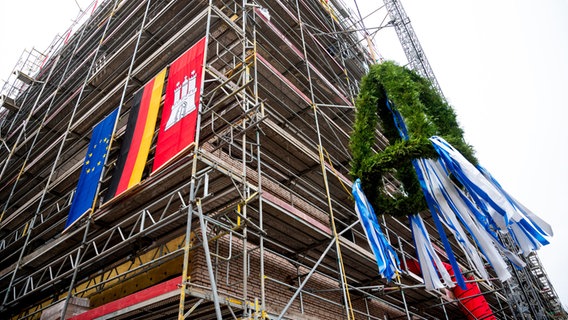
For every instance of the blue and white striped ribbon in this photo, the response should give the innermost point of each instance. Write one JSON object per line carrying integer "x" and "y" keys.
{"x": 477, "y": 213}
{"x": 502, "y": 210}
{"x": 385, "y": 255}
{"x": 435, "y": 210}
{"x": 542, "y": 227}
{"x": 430, "y": 263}
{"x": 459, "y": 210}
{"x": 432, "y": 205}
{"x": 439, "y": 187}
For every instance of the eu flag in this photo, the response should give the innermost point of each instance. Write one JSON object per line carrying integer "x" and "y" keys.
{"x": 92, "y": 169}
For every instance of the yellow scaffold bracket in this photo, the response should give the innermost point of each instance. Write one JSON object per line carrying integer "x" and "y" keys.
{"x": 244, "y": 203}
{"x": 239, "y": 214}
{"x": 329, "y": 9}
{"x": 234, "y": 301}
{"x": 252, "y": 196}
{"x": 26, "y": 228}
{"x": 238, "y": 67}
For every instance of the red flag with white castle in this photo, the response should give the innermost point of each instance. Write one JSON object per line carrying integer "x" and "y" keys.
{"x": 181, "y": 105}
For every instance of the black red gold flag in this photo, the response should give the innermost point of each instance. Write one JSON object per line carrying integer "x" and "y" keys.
{"x": 138, "y": 136}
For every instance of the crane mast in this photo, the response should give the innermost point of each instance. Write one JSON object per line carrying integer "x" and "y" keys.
{"x": 410, "y": 44}
{"x": 525, "y": 299}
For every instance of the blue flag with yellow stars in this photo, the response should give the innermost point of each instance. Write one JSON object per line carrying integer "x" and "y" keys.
{"x": 92, "y": 169}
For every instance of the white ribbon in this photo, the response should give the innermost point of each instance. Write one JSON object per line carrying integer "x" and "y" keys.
{"x": 430, "y": 263}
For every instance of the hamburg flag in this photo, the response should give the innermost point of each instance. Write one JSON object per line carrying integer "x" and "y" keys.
{"x": 92, "y": 169}
{"x": 138, "y": 136}
{"x": 181, "y": 105}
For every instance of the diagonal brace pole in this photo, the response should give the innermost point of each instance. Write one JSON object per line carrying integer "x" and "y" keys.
{"x": 208, "y": 260}
{"x": 307, "y": 278}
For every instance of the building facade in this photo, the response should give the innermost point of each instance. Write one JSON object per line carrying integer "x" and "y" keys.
{"x": 253, "y": 218}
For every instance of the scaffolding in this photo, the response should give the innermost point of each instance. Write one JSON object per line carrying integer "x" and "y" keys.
{"x": 256, "y": 221}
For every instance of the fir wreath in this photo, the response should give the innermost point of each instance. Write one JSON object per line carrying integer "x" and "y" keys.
{"x": 425, "y": 113}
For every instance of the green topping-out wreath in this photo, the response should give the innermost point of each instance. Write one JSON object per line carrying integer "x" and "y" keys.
{"x": 425, "y": 113}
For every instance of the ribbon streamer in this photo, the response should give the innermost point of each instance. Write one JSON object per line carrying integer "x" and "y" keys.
{"x": 501, "y": 210}
{"x": 458, "y": 209}
{"x": 385, "y": 255}
{"x": 428, "y": 259}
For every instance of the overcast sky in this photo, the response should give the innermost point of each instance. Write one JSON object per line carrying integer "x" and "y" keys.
{"x": 503, "y": 65}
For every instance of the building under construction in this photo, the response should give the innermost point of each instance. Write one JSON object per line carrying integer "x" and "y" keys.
{"x": 255, "y": 219}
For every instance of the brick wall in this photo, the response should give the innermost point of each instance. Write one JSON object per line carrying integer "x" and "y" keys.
{"x": 229, "y": 275}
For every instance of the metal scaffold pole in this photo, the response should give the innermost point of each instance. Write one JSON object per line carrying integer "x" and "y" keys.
{"x": 342, "y": 276}
{"x": 214, "y": 292}
{"x": 195, "y": 202}
{"x": 259, "y": 114}
{"x": 186, "y": 248}
{"x": 245, "y": 192}
{"x": 307, "y": 278}
{"x": 60, "y": 150}
{"x": 90, "y": 219}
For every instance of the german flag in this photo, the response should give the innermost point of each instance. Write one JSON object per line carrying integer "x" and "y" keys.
{"x": 138, "y": 136}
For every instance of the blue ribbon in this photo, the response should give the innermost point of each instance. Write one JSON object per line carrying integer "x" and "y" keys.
{"x": 386, "y": 257}
{"x": 481, "y": 197}
{"x": 398, "y": 121}
{"x": 432, "y": 205}
{"x": 530, "y": 230}
{"x": 403, "y": 132}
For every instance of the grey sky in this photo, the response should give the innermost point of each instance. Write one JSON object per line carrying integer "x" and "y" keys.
{"x": 503, "y": 65}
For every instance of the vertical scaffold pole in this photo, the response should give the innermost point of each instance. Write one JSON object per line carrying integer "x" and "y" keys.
{"x": 246, "y": 190}
{"x": 259, "y": 113}
{"x": 186, "y": 249}
{"x": 89, "y": 220}
{"x": 59, "y": 152}
{"x": 342, "y": 276}
{"x": 193, "y": 201}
